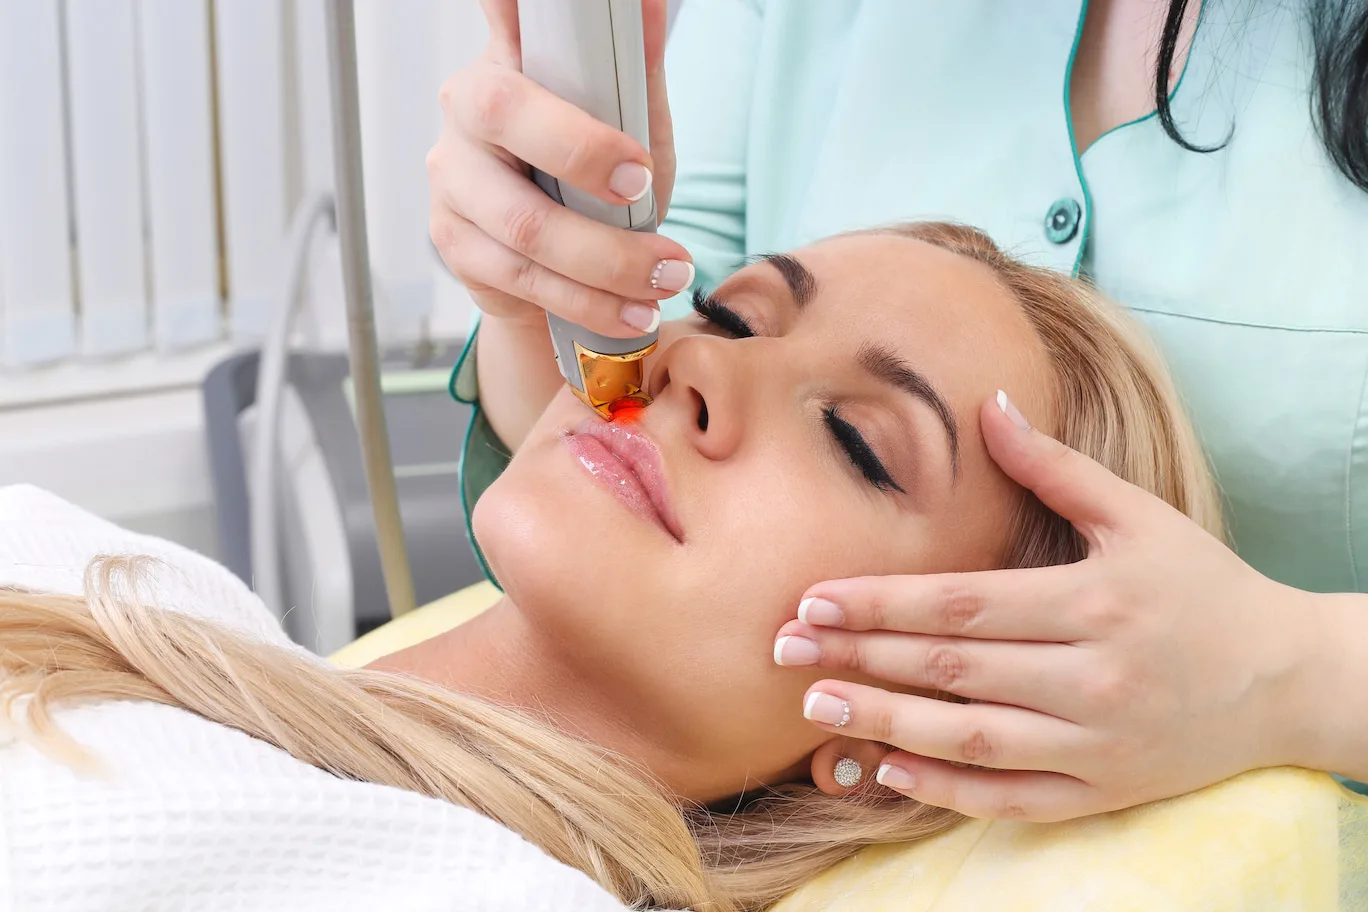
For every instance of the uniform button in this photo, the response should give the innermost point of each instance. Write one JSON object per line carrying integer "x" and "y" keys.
{"x": 1061, "y": 222}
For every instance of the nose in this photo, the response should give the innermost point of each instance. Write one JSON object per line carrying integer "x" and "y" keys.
{"x": 702, "y": 382}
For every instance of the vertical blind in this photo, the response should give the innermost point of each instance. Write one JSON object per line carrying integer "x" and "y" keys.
{"x": 152, "y": 151}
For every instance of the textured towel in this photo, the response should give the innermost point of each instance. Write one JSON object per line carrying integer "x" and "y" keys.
{"x": 197, "y": 816}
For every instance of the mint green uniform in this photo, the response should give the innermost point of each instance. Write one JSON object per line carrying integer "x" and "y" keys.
{"x": 796, "y": 120}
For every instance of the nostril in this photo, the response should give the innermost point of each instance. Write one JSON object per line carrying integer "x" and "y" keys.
{"x": 702, "y": 416}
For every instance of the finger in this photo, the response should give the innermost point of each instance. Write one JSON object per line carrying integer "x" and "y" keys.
{"x": 513, "y": 211}
{"x": 982, "y": 734}
{"x": 505, "y": 281}
{"x": 654, "y": 22}
{"x": 502, "y": 107}
{"x": 504, "y": 45}
{"x": 992, "y": 794}
{"x": 991, "y": 604}
{"x": 1036, "y": 676}
{"x": 1069, "y": 483}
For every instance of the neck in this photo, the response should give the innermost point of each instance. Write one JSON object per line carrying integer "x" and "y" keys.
{"x": 499, "y": 657}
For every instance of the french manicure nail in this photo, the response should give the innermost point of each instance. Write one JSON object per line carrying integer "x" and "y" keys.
{"x": 672, "y": 275}
{"x": 820, "y": 613}
{"x": 630, "y": 180}
{"x": 1011, "y": 411}
{"x": 796, "y": 651}
{"x": 824, "y": 708}
{"x": 641, "y": 317}
{"x": 895, "y": 777}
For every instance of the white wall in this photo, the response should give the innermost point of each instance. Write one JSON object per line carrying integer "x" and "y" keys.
{"x": 125, "y": 438}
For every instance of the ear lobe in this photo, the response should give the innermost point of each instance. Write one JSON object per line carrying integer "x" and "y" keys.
{"x": 868, "y": 754}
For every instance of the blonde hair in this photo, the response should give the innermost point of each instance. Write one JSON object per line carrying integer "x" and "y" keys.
{"x": 589, "y": 809}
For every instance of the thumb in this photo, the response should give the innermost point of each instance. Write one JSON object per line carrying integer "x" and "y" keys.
{"x": 654, "y": 23}
{"x": 1082, "y": 491}
{"x": 503, "y": 47}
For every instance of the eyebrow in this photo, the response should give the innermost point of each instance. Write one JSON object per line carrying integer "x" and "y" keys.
{"x": 801, "y": 283}
{"x": 876, "y": 359}
{"x": 887, "y": 367}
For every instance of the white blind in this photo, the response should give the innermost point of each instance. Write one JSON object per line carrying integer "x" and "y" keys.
{"x": 151, "y": 154}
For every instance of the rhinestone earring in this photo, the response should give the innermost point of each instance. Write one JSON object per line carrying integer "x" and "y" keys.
{"x": 848, "y": 773}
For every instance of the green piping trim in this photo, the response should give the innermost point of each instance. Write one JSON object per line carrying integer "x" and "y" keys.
{"x": 460, "y": 363}
{"x": 475, "y": 416}
{"x": 1086, "y": 229}
{"x": 1201, "y": 12}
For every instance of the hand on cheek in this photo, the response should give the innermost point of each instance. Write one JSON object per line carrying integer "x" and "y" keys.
{"x": 1159, "y": 664}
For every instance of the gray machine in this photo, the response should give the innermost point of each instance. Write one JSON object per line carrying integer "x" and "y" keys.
{"x": 332, "y": 589}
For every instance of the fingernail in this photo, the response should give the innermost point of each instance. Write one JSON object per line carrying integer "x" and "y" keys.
{"x": 631, "y": 180}
{"x": 1011, "y": 412}
{"x": 848, "y": 772}
{"x": 824, "y": 708}
{"x": 820, "y": 613}
{"x": 895, "y": 777}
{"x": 795, "y": 650}
{"x": 672, "y": 275}
{"x": 641, "y": 317}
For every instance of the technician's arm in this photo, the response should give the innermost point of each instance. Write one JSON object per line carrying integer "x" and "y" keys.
{"x": 1330, "y": 714}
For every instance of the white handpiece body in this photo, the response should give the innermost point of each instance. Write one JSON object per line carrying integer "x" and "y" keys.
{"x": 591, "y": 53}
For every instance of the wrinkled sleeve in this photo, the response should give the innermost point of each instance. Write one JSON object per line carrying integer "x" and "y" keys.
{"x": 710, "y": 67}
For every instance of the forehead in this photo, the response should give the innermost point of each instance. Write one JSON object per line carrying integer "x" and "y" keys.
{"x": 948, "y": 315}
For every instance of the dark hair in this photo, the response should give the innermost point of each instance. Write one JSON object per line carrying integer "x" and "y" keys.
{"x": 1339, "y": 104}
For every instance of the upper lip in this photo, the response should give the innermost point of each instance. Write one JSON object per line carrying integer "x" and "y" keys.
{"x": 635, "y": 450}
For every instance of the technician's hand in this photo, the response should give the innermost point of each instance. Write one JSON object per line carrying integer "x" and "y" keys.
{"x": 518, "y": 252}
{"x": 1159, "y": 664}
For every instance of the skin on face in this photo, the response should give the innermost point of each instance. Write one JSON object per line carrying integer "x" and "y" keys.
{"x": 677, "y": 636}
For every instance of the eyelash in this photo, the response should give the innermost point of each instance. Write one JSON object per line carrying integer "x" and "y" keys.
{"x": 720, "y": 316}
{"x": 848, "y": 436}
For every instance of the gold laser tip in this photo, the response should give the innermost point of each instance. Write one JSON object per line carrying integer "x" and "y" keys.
{"x": 612, "y": 382}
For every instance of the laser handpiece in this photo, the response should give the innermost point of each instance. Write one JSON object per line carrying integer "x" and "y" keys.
{"x": 592, "y": 53}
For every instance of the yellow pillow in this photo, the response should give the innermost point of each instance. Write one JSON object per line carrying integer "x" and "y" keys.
{"x": 421, "y": 624}
{"x": 1269, "y": 841}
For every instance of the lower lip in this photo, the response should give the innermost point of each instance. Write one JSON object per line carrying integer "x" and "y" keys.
{"x": 613, "y": 474}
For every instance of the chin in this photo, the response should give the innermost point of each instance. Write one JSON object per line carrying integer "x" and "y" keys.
{"x": 557, "y": 547}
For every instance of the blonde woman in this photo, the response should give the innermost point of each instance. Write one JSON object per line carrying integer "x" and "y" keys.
{"x": 826, "y": 414}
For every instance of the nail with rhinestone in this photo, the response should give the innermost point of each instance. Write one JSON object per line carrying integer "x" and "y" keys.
{"x": 672, "y": 275}
{"x": 829, "y": 710}
{"x": 848, "y": 773}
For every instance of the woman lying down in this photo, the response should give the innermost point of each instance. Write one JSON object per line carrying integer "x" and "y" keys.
{"x": 819, "y": 418}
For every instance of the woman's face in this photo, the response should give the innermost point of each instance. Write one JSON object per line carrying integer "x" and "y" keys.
{"x": 825, "y": 425}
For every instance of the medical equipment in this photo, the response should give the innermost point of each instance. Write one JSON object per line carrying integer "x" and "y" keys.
{"x": 592, "y": 53}
{"x": 303, "y": 438}
{"x": 324, "y": 553}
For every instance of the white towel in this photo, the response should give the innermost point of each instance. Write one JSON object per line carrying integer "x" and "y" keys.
{"x": 197, "y": 816}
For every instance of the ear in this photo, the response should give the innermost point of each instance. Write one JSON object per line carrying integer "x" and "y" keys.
{"x": 866, "y": 753}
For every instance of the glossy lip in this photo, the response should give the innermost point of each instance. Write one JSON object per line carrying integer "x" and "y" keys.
{"x": 627, "y": 462}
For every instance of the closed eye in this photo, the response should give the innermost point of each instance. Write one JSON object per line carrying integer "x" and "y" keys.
{"x": 720, "y": 316}
{"x": 859, "y": 452}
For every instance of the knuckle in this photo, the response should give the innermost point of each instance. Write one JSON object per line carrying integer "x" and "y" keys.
{"x": 977, "y": 749}
{"x": 525, "y": 279}
{"x": 492, "y": 99}
{"x": 581, "y": 155}
{"x": 960, "y": 607}
{"x": 619, "y": 271}
{"x": 1007, "y": 808}
{"x": 446, "y": 95}
{"x": 442, "y": 232}
{"x": 881, "y": 724}
{"x": 876, "y": 611}
{"x": 434, "y": 161}
{"x": 523, "y": 226}
{"x": 945, "y": 666}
